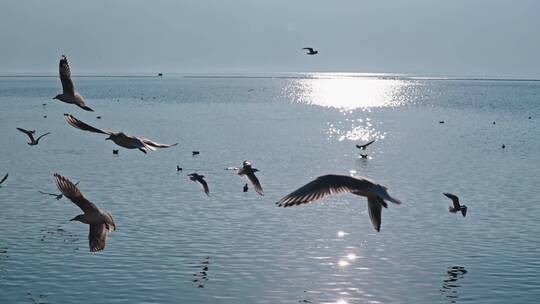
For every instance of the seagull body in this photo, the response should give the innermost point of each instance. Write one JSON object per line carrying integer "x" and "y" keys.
{"x": 364, "y": 146}
{"x": 245, "y": 189}
{"x": 100, "y": 221}
{"x": 200, "y": 178}
{"x": 30, "y": 134}
{"x": 120, "y": 138}
{"x": 4, "y": 178}
{"x": 249, "y": 172}
{"x": 311, "y": 51}
{"x": 334, "y": 184}
{"x": 456, "y": 206}
{"x": 69, "y": 95}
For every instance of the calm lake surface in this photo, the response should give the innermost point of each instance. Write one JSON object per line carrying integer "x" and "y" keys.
{"x": 175, "y": 245}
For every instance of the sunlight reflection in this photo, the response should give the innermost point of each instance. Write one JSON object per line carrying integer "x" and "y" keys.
{"x": 343, "y": 263}
{"x": 341, "y": 233}
{"x": 351, "y": 256}
{"x": 348, "y": 92}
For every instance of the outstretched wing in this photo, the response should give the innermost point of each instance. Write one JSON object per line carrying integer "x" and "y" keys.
{"x": 309, "y": 49}
{"x": 454, "y": 198}
{"x": 364, "y": 146}
{"x": 71, "y": 191}
{"x": 83, "y": 126}
{"x": 375, "y": 205}
{"x": 255, "y": 182}
{"x": 47, "y": 193}
{"x": 97, "y": 237}
{"x": 37, "y": 139}
{"x": 155, "y": 144}
{"x": 65, "y": 76}
{"x": 204, "y": 186}
{"x": 324, "y": 186}
{"x": 4, "y": 179}
{"x": 28, "y": 133}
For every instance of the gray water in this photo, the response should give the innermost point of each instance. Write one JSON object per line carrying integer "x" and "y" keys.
{"x": 175, "y": 245}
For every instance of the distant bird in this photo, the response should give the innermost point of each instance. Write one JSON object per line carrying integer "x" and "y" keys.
{"x": 30, "y": 134}
{"x": 4, "y": 178}
{"x": 493, "y": 122}
{"x": 503, "y": 146}
{"x": 363, "y": 155}
{"x": 43, "y": 104}
{"x": 530, "y": 117}
{"x": 115, "y": 152}
{"x": 178, "y": 168}
{"x": 311, "y": 51}
{"x": 120, "y": 138}
{"x": 334, "y": 184}
{"x": 44, "y": 116}
{"x": 160, "y": 74}
{"x": 200, "y": 178}
{"x": 100, "y": 221}
{"x": 69, "y": 95}
{"x": 245, "y": 189}
{"x": 249, "y": 172}
{"x": 364, "y": 146}
{"x": 98, "y": 117}
{"x": 457, "y": 207}
{"x": 195, "y": 153}
{"x": 441, "y": 121}
{"x": 57, "y": 196}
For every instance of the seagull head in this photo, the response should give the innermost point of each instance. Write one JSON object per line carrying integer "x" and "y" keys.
{"x": 246, "y": 163}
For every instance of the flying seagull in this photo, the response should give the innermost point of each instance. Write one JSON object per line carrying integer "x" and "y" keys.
{"x": 249, "y": 173}
{"x": 363, "y": 155}
{"x": 4, "y": 179}
{"x": 100, "y": 221}
{"x": 311, "y": 51}
{"x": 56, "y": 196}
{"x": 200, "y": 178}
{"x": 334, "y": 184}
{"x": 364, "y": 146}
{"x": 120, "y": 138}
{"x": 69, "y": 95}
{"x": 30, "y": 134}
{"x": 457, "y": 207}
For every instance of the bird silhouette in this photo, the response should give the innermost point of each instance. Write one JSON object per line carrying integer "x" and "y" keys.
{"x": 311, "y": 51}
{"x": 200, "y": 178}
{"x": 69, "y": 95}
{"x": 457, "y": 207}
{"x": 30, "y": 134}
{"x": 364, "y": 146}
{"x": 249, "y": 172}
{"x": 331, "y": 184}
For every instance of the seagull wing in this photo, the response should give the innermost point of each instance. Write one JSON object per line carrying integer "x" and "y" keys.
{"x": 324, "y": 186}
{"x": 4, "y": 179}
{"x": 97, "y": 237}
{"x": 83, "y": 126}
{"x": 71, "y": 191}
{"x": 65, "y": 76}
{"x": 204, "y": 185}
{"x": 309, "y": 49}
{"x": 375, "y": 205}
{"x": 28, "y": 133}
{"x": 37, "y": 139}
{"x": 155, "y": 144}
{"x": 254, "y": 181}
{"x": 454, "y": 199}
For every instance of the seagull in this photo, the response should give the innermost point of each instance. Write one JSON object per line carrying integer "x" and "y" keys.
{"x": 33, "y": 141}
{"x": 193, "y": 153}
{"x": 457, "y": 207}
{"x": 245, "y": 189}
{"x": 69, "y": 95}
{"x": 364, "y": 146}
{"x": 441, "y": 121}
{"x": 115, "y": 151}
{"x": 100, "y": 221}
{"x": 120, "y": 138}
{"x": 334, "y": 184}
{"x": 363, "y": 155}
{"x": 57, "y": 196}
{"x": 4, "y": 179}
{"x": 178, "y": 168}
{"x": 311, "y": 51}
{"x": 200, "y": 178}
{"x": 249, "y": 173}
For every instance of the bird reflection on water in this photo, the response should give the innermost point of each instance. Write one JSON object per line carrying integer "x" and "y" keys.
{"x": 200, "y": 278}
{"x": 450, "y": 284}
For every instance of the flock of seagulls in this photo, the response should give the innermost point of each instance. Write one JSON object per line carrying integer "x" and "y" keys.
{"x": 101, "y": 222}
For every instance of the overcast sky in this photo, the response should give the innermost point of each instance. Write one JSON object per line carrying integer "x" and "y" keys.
{"x": 463, "y": 37}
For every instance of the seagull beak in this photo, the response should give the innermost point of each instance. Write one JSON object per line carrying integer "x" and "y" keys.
{"x": 73, "y": 219}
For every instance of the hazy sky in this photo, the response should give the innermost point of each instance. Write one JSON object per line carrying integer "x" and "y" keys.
{"x": 465, "y": 37}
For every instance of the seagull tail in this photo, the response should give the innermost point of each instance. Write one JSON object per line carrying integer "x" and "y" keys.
{"x": 86, "y": 108}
